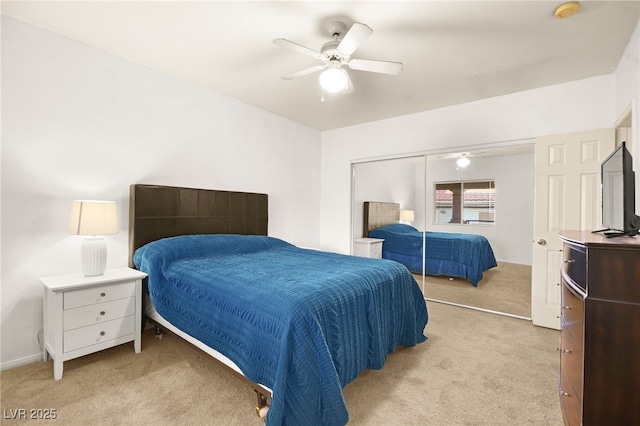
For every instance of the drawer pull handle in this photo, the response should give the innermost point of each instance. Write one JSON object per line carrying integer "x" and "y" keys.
{"x": 103, "y": 294}
{"x": 566, "y": 307}
{"x": 566, "y": 351}
{"x": 563, "y": 393}
{"x": 102, "y": 313}
{"x": 102, "y": 333}
{"x": 569, "y": 260}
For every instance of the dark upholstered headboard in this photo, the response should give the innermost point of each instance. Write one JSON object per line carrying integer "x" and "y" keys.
{"x": 377, "y": 214}
{"x": 157, "y": 212}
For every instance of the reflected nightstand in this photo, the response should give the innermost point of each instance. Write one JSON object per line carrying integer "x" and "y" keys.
{"x": 368, "y": 247}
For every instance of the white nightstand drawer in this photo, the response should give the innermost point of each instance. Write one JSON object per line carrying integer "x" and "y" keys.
{"x": 376, "y": 250}
{"x": 94, "y": 334}
{"x": 98, "y": 313}
{"x": 99, "y": 294}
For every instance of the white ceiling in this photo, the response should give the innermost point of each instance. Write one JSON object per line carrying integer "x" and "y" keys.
{"x": 452, "y": 51}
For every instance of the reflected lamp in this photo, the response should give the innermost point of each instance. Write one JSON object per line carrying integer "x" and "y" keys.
{"x": 407, "y": 216}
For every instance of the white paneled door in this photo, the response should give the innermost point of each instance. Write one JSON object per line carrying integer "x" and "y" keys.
{"x": 567, "y": 196}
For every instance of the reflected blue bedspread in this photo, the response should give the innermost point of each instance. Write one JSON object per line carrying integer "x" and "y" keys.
{"x": 302, "y": 322}
{"x": 458, "y": 255}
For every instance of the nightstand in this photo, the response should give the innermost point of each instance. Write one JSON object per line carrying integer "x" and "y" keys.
{"x": 83, "y": 315}
{"x": 368, "y": 247}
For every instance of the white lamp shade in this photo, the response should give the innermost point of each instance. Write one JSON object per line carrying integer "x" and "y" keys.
{"x": 333, "y": 80}
{"x": 407, "y": 215}
{"x": 93, "y": 218}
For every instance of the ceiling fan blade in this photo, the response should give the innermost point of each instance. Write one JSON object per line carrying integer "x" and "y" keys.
{"x": 304, "y": 72}
{"x": 350, "y": 88}
{"x": 299, "y": 48}
{"x": 384, "y": 67}
{"x": 356, "y": 35}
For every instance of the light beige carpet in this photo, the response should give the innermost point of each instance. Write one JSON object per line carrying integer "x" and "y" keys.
{"x": 475, "y": 369}
{"x": 505, "y": 288}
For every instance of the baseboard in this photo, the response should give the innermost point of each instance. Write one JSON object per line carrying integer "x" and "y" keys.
{"x": 20, "y": 362}
{"x": 512, "y": 263}
{"x": 475, "y": 308}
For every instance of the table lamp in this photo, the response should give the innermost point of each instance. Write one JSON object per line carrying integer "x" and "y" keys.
{"x": 93, "y": 219}
{"x": 407, "y": 216}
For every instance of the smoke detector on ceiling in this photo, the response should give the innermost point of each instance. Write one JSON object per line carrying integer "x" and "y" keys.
{"x": 567, "y": 10}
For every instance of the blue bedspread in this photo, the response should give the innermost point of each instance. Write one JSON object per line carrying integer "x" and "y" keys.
{"x": 302, "y": 322}
{"x": 457, "y": 255}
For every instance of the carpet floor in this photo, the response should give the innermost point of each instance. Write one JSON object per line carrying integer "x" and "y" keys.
{"x": 475, "y": 369}
{"x": 505, "y": 288}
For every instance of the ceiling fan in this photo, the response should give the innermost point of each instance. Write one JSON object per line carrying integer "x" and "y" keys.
{"x": 336, "y": 53}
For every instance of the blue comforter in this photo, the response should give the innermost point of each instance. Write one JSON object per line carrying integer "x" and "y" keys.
{"x": 457, "y": 255}
{"x": 302, "y": 322}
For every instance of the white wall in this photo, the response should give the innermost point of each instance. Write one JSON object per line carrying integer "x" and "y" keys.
{"x": 627, "y": 92}
{"x": 82, "y": 123}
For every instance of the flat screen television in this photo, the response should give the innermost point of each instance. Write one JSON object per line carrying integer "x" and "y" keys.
{"x": 618, "y": 194}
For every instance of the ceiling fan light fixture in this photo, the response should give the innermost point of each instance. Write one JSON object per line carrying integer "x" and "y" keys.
{"x": 337, "y": 53}
{"x": 334, "y": 80}
{"x": 463, "y": 161}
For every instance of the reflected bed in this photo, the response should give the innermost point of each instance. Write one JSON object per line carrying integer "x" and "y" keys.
{"x": 465, "y": 256}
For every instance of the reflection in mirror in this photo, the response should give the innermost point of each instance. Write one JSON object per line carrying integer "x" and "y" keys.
{"x": 491, "y": 196}
{"x": 396, "y": 180}
{"x": 488, "y": 195}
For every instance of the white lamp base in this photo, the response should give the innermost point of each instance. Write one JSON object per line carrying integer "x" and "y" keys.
{"x": 93, "y": 254}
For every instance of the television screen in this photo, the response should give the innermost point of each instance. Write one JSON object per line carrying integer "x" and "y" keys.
{"x": 618, "y": 194}
{"x": 613, "y": 192}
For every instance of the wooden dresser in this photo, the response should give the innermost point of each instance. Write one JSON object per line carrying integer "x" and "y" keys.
{"x": 600, "y": 349}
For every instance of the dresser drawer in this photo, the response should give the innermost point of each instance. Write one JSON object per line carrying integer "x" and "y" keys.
{"x": 575, "y": 264}
{"x": 99, "y": 294}
{"x": 572, "y": 312}
{"x": 571, "y": 358}
{"x": 98, "y": 313}
{"x": 571, "y": 405}
{"x": 94, "y": 334}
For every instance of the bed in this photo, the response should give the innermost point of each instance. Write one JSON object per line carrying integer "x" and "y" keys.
{"x": 297, "y": 324}
{"x": 465, "y": 256}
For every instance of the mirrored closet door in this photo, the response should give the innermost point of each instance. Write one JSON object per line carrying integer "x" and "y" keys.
{"x": 491, "y": 196}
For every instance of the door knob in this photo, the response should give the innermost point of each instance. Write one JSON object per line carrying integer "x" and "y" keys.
{"x": 542, "y": 242}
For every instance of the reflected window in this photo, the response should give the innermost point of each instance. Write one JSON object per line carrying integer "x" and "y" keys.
{"x": 467, "y": 203}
